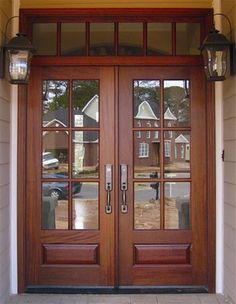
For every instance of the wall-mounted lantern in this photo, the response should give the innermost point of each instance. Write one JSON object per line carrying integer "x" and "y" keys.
{"x": 218, "y": 53}
{"x": 17, "y": 55}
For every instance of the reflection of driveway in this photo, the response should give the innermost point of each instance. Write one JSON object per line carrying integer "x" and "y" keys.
{"x": 171, "y": 190}
{"x": 88, "y": 191}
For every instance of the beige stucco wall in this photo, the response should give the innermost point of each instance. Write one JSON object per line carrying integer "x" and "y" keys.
{"x": 229, "y": 109}
{"x": 5, "y": 12}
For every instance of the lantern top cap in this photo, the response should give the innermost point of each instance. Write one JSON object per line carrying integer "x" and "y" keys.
{"x": 215, "y": 39}
{"x": 20, "y": 42}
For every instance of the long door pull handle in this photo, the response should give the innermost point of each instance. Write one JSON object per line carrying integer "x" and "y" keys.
{"x": 124, "y": 187}
{"x": 108, "y": 187}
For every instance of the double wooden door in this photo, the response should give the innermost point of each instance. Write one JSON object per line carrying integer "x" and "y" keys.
{"x": 116, "y": 177}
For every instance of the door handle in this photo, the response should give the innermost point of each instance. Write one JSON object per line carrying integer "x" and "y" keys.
{"x": 108, "y": 187}
{"x": 124, "y": 187}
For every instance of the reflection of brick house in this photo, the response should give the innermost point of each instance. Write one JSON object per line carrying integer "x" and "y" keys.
{"x": 85, "y": 143}
{"x": 147, "y": 143}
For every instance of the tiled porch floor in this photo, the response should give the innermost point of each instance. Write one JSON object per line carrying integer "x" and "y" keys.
{"x": 118, "y": 299}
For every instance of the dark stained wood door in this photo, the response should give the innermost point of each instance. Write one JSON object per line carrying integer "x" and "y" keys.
{"x": 162, "y": 140}
{"x": 70, "y": 140}
{"x": 131, "y": 136}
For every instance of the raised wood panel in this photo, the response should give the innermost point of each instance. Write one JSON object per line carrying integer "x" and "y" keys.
{"x": 162, "y": 254}
{"x": 70, "y": 254}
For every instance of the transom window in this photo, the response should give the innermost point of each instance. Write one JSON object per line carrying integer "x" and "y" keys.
{"x": 116, "y": 38}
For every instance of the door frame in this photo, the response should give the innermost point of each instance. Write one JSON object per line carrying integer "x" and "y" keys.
{"x": 26, "y": 18}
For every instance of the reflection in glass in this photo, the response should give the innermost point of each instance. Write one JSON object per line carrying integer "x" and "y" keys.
{"x": 42, "y": 34}
{"x": 177, "y": 154}
{"x": 102, "y": 39}
{"x": 85, "y": 97}
{"x": 69, "y": 45}
{"x": 55, "y": 103}
{"x": 187, "y": 38}
{"x": 147, "y": 205}
{"x": 146, "y": 154}
{"x": 85, "y": 154}
{"x": 177, "y": 202}
{"x": 146, "y": 103}
{"x": 176, "y": 103}
{"x": 85, "y": 206}
{"x": 55, "y": 154}
{"x": 130, "y": 39}
{"x": 55, "y": 205}
{"x": 159, "y": 39}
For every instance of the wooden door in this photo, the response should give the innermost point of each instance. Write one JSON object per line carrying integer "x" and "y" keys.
{"x": 134, "y": 137}
{"x": 162, "y": 141}
{"x": 70, "y": 141}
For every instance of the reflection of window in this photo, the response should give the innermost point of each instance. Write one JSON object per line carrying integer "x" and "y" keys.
{"x": 167, "y": 148}
{"x": 143, "y": 150}
{"x": 149, "y": 124}
{"x": 182, "y": 151}
{"x": 138, "y": 123}
{"x": 170, "y": 134}
{"x": 156, "y": 134}
{"x": 176, "y": 153}
{"x": 148, "y": 135}
{"x": 139, "y": 134}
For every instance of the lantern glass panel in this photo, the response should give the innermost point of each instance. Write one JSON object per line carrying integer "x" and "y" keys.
{"x": 19, "y": 62}
{"x": 215, "y": 62}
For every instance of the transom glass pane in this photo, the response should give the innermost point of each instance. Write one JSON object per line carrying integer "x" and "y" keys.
{"x": 187, "y": 38}
{"x": 85, "y": 97}
{"x": 55, "y": 103}
{"x": 102, "y": 39}
{"x": 73, "y": 39}
{"x": 177, "y": 205}
{"x": 159, "y": 39}
{"x": 45, "y": 38}
{"x": 176, "y": 103}
{"x": 130, "y": 39}
{"x": 146, "y": 103}
{"x": 146, "y": 206}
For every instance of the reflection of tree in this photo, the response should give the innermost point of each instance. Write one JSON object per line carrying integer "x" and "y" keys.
{"x": 83, "y": 91}
{"x": 146, "y": 90}
{"x": 176, "y": 98}
{"x": 55, "y": 94}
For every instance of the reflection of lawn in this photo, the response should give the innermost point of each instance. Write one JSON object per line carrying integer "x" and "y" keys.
{"x": 147, "y": 214}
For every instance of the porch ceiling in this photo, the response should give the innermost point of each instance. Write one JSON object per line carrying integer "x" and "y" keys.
{"x": 115, "y": 3}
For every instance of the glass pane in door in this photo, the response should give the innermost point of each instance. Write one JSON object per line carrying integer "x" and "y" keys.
{"x": 85, "y": 205}
{"x": 55, "y": 103}
{"x": 85, "y": 97}
{"x": 176, "y": 103}
{"x": 146, "y": 103}
{"x": 146, "y": 154}
{"x": 85, "y": 154}
{"x": 146, "y": 205}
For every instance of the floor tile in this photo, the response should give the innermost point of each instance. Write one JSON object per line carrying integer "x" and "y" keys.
{"x": 74, "y": 299}
{"x": 143, "y": 299}
{"x": 108, "y": 299}
{"x": 209, "y": 299}
{"x": 178, "y": 299}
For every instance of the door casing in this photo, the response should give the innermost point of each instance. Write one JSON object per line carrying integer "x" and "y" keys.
{"x": 22, "y": 155}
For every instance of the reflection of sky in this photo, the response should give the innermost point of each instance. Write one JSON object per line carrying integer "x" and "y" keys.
{"x": 176, "y": 83}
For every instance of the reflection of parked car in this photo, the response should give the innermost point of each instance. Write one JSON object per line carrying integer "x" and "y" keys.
{"x": 49, "y": 161}
{"x": 59, "y": 189}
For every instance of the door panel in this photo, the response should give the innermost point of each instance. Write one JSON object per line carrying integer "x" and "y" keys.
{"x": 70, "y": 237}
{"x": 116, "y": 177}
{"x": 162, "y": 237}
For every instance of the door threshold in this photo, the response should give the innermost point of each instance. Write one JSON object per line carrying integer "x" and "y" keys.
{"x": 116, "y": 290}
